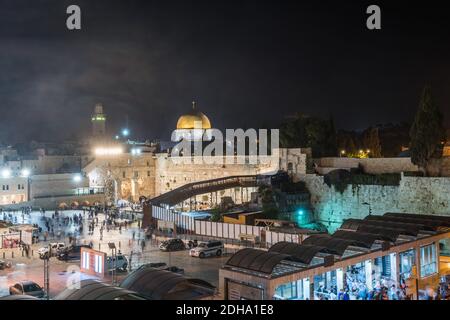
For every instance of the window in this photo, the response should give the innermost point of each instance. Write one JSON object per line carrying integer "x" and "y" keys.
{"x": 129, "y": 161}
{"x": 18, "y": 186}
{"x": 148, "y": 163}
{"x": 428, "y": 264}
{"x": 136, "y": 174}
{"x": 287, "y": 291}
{"x": 123, "y": 174}
{"x": 384, "y": 265}
{"x": 407, "y": 261}
{"x": 148, "y": 173}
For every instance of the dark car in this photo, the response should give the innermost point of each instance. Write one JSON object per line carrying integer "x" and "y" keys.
{"x": 29, "y": 288}
{"x": 4, "y": 264}
{"x": 172, "y": 245}
{"x": 175, "y": 269}
{"x": 72, "y": 253}
{"x": 154, "y": 265}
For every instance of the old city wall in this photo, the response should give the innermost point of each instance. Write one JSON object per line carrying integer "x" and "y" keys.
{"x": 369, "y": 165}
{"x": 427, "y": 195}
{"x": 171, "y": 173}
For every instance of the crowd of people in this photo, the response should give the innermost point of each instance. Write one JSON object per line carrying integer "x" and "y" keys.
{"x": 67, "y": 224}
{"x": 383, "y": 288}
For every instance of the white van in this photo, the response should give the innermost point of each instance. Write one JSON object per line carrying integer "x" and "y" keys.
{"x": 56, "y": 248}
{"x": 205, "y": 249}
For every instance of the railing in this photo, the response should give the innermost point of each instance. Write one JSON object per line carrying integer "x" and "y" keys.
{"x": 191, "y": 189}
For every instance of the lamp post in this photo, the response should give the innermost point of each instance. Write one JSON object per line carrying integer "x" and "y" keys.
{"x": 112, "y": 246}
{"x": 46, "y": 258}
{"x": 370, "y": 208}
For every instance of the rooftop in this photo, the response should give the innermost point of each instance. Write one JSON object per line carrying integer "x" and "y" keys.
{"x": 355, "y": 237}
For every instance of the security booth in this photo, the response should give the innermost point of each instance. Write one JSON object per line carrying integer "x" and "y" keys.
{"x": 166, "y": 226}
{"x": 9, "y": 240}
{"x": 93, "y": 262}
{"x": 248, "y": 239}
{"x": 28, "y": 233}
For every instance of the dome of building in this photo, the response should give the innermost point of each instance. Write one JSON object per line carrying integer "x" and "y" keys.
{"x": 187, "y": 121}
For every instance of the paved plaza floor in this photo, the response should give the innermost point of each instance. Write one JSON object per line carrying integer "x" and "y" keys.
{"x": 32, "y": 268}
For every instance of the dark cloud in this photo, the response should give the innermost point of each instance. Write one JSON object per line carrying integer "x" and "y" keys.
{"x": 246, "y": 63}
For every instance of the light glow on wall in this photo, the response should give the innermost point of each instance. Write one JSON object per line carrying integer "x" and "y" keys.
{"x": 136, "y": 151}
{"x": 25, "y": 173}
{"x": 108, "y": 151}
{"x": 6, "y": 173}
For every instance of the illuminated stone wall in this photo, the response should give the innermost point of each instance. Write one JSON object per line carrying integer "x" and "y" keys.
{"x": 172, "y": 173}
{"x": 413, "y": 195}
{"x": 150, "y": 175}
{"x": 131, "y": 176}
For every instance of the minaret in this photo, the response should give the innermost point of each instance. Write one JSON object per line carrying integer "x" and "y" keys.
{"x": 98, "y": 121}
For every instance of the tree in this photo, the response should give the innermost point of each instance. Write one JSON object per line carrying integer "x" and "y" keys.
{"x": 427, "y": 132}
{"x": 216, "y": 215}
{"x": 270, "y": 210}
{"x": 303, "y": 131}
{"x": 331, "y": 138}
{"x": 371, "y": 141}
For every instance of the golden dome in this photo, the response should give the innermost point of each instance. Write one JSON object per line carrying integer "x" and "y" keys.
{"x": 187, "y": 121}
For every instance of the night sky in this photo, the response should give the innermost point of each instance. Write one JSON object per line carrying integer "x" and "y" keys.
{"x": 246, "y": 63}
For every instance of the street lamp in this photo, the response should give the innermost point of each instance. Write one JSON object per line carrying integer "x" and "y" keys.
{"x": 125, "y": 132}
{"x": 112, "y": 246}
{"x": 370, "y": 208}
{"x": 6, "y": 173}
{"x": 77, "y": 178}
{"x": 25, "y": 173}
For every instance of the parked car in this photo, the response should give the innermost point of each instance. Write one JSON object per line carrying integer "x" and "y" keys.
{"x": 210, "y": 248}
{"x": 52, "y": 250}
{"x": 172, "y": 245}
{"x": 4, "y": 264}
{"x": 175, "y": 269}
{"x": 121, "y": 263}
{"x": 155, "y": 265}
{"x": 27, "y": 288}
{"x": 71, "y": 253}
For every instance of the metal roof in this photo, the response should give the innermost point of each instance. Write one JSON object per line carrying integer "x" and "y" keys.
{"x": 360, "y": 239}
{"x": 256, "y": 260}
{"x": 387, "y": 234}
{"x": 427, "y": 220}
{"x": 332, "y": 245}
{"x": 18, "y": 297}
{"x": 401, "y": 228}
{"x": 406, "y": 228}
{"x": 96, "y": 290}
{"x": 158, "y": 284}
{"x": 303, "y": 253}
{"x": 399, "y": 220}
{"x": 423, "y": 216}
